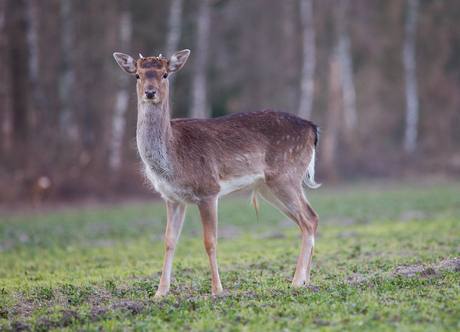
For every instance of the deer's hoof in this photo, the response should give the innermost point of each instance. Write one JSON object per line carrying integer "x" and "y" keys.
{"x": 160, "y": 293}
{"x": 300, "y": 283}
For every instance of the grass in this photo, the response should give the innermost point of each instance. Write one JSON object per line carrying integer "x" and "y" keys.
{"x": 385, "y": 260}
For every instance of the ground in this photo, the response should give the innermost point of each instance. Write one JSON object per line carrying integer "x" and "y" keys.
{"x": 386, "y": 258}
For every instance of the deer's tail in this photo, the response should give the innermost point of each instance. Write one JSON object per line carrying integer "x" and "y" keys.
{"x": 309, "y": 179}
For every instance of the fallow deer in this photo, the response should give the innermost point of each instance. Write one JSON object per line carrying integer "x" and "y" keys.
{"x": 195, "y": 161}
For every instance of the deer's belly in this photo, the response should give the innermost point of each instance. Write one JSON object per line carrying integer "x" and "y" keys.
{"x": 173, "y": 192}
{"x": 239, "y": 184}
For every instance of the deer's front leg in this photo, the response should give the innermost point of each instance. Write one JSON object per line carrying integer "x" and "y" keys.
{"x": 208, "y": 212}
{"x": 176, "y": 214}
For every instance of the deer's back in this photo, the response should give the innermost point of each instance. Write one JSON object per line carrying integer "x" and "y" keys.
{"x": 244, "y": 130}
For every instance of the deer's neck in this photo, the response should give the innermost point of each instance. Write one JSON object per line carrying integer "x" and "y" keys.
{"x": 154, "y": 137}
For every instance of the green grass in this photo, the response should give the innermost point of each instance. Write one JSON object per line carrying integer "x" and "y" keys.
{"x": 382, "y": 262}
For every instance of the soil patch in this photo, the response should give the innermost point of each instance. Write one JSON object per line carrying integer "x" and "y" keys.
{"x": 423, "y": 271}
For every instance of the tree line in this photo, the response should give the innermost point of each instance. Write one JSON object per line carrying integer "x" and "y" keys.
{"x": 380, "y": 78}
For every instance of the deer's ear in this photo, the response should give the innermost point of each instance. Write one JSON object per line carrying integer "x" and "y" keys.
{"x": 127, "y": 63}
{"x": 177, "y": 60}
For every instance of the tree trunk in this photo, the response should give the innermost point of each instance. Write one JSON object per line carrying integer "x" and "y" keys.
{"x": 200, "y": 107}
{"x": 68, "y": 126}
{"x": 309, "y": 59}
{"x": 122, "y": 99}
{"x": 346, "y": 68}
{"x": 5, "y": 89}
{"x": 40, "y": 140}
{"x": 333, "y": 120}
{"x": 37, "y": 102}
{"x": 174, "y": 33}
{"x": 412, "y": 108}
{"x": 289, "y": 86}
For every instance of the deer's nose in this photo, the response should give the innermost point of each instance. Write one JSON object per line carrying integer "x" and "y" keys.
{"x": 150, "y": 94}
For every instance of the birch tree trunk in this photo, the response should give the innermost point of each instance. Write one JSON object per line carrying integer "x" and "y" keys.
{"x": 412, "y": 107}
{"x": 309, "y": 59}
{"x": 40, "y": 138}
{"x": 333, "y": 120}
{"x": 37, "y": 100}
{"x": 174, "y": 33}
{"x": 5, "y": 78}
{"x": 68, "y": 127}
{"x": 289, "y": 86}
{"x": 122, "y": 99}
{"x": 346, "y": 68}
{"x": 200, "y": 107}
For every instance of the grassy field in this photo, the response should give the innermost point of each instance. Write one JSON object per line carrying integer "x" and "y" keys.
{"x": 385, "y": 259}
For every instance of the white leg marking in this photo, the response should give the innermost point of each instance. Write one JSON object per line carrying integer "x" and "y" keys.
{"x": 311, "y": 240}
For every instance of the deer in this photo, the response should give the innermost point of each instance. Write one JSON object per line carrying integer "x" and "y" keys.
{"x": 196, "y": 161}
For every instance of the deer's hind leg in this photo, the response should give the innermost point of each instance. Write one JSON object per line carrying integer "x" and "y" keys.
{"x": 290, "y": 200}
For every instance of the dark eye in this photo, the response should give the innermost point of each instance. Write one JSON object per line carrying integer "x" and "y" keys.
{"x": 137, "y": 76}
{"x": 165, "y": 75}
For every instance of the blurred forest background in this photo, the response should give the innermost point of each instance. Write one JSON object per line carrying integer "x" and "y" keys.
{"x": 381, "y": 78}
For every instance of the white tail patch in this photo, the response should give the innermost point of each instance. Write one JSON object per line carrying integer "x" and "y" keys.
{"x": 309, "y": 178}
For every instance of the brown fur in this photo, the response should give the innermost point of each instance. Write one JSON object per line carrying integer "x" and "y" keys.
{"x": 152, "y": 62}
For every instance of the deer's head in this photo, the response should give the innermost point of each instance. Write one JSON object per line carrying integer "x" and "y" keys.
{"x": 152, "y": 73}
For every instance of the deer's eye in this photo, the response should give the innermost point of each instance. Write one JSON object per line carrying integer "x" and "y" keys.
{"x": 137, "y": 76}
{"x": 165, "y": 75}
